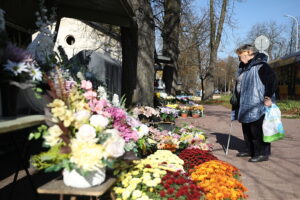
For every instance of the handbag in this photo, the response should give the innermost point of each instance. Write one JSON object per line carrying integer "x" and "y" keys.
{"x": 233, "y": 100}
{"x": 272, "y": 125}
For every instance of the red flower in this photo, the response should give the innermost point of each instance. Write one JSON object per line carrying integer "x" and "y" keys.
{"x": 179, "y": 193}
{"x": 170, "y": 190}
{"x": 177, "y": 184}
{"x": 170, "y": 181}
{"x": 194, "y": 156}
{"x": 162, "y": 193}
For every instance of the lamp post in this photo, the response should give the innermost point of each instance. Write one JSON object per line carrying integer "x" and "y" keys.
{"x": 294, "y": 18}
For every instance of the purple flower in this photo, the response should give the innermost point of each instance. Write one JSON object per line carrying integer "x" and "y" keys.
{"x": 17, "y": 54}
{"x": 132, "y": 121}
{"x": 117, "y": 113}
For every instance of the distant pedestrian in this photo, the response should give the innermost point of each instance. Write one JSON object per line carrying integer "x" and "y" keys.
{"x": 255, "y": 88}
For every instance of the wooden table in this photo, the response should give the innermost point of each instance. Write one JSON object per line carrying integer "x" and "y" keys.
{"x": 59, "y": 188}
{"x": 8, "y": 124}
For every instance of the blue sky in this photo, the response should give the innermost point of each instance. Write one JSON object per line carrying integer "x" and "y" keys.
{"x": 249, "y": 12}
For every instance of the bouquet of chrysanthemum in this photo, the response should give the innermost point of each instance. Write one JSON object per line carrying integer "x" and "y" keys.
{"x": 197, "y": 109}
{"x": 169, "y": 142}
{"x": 163, "y": 98}
{"x": 219, "y": 180}
{"x": 156, "y": 139}
{"x": 192, "y": 137}
{"x": 146, "y": 113}
{"x": 168, "y": 114}
{"x": 87, "y": 131}
{"x": 148, "y": 144}
{"x": 174, "y": 106}
{"x": 142, "y": 180}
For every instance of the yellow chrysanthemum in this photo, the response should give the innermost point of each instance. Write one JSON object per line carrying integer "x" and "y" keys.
{"x": 126, "y": 194}
{"x": 52, "y": 138}
{"x": 118, "y": 190}
{"x": 57, "y": 103}
{"x": 67, "y": 118}
{"x": 59, "y": 111}
{"x": 136, "y": 194}
{"x": 87, "y": 155}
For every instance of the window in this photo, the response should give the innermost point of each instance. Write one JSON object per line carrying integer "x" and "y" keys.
{"x": 70, "y": 39}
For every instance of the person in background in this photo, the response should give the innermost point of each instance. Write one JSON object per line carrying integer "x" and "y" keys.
{"x": 255, "y": 88}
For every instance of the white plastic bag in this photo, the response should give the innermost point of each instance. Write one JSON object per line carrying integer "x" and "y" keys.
{"x": 272, "y": 125}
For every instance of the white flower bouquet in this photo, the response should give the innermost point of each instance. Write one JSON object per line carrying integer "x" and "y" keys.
{"x": 87, "y": 131}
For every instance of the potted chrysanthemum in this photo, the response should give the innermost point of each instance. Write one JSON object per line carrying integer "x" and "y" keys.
{"x": 142, "y": 180}
{"x": 146, "y": 113}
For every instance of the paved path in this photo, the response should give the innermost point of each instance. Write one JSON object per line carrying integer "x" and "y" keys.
{"x": 276, "y": 179}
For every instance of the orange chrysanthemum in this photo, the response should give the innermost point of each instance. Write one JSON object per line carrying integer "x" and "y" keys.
{"x": 217, "y": 180}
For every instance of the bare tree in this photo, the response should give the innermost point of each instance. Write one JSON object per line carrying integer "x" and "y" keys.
{"x": 273, "y": 31}
{"x": 193, "y": 45}
{"x": 291, "y": 39}
{"x": 225, "y": 75}
{"x": 167, "y": 15}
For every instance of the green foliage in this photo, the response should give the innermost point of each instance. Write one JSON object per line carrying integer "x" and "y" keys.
{"x": 289, "y": 107}
{"x": 146, "y": 146}
{"x": 223, "y": 100}
{"x": 109, "y": 163}
{"x": 51, "y": 160}
{"x": 41, "y": 130}
{"x": 121, "y": 166}
{"x": 130, "y": 146}
{"x": 123, "y": 102}
{"x": 103, "y": 137}
{"x": 167, "y": 117}
{"x": 37, "y": 92}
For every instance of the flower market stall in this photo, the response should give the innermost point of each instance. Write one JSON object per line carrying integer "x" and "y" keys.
{"x": 89, "y": 133}
{"x": 183, "y": 104}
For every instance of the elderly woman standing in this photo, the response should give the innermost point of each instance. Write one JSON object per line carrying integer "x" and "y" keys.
{"x": 255, "y": 88}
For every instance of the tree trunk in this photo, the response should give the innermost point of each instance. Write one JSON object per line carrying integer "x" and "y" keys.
{"x": 170, "y": 35}
{"x": 129, "y": 62}
{"x": 138, "y": 56}
{"x": 215, "y": 38}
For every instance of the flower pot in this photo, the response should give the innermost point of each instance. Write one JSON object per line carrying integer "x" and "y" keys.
{"x": 74, "y": 179}
{"x": 184, "y": 115}
{"x": 195, "y": 115}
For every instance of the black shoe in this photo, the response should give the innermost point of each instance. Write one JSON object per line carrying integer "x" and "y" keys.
{"x": 259, "y": 158}
{"x": 243, "y": 154}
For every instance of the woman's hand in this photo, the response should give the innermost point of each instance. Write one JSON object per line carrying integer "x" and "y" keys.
{"x": 267, "y": 101}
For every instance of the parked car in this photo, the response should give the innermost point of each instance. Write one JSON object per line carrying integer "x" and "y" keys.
{"x": 217, "y": 91}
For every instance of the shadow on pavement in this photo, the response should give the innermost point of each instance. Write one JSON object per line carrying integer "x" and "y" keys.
{"x": 235, "y": 142}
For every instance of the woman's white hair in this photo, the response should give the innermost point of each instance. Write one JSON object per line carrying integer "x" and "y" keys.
{"x": 246, "y": 48}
